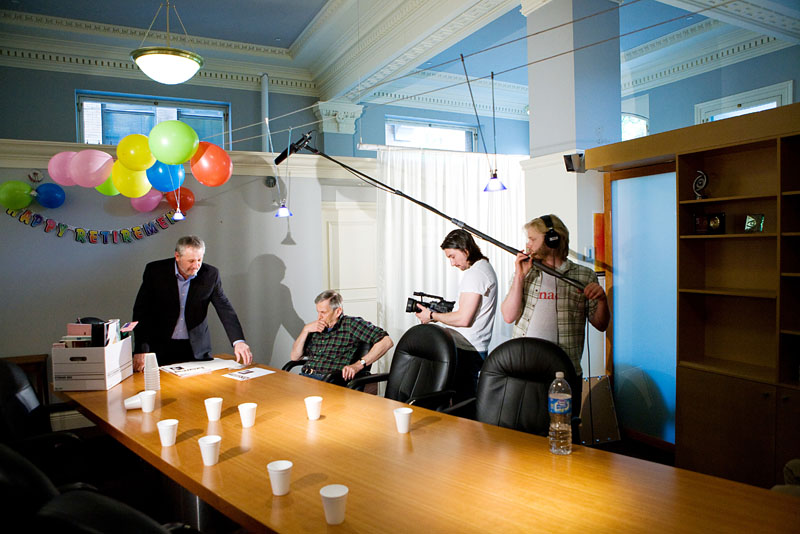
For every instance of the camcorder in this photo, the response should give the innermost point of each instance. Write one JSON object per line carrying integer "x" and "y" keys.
{"x": 436, "y": 303}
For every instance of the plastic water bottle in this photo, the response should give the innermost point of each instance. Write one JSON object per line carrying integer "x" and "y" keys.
{"x": 560, "y": 408}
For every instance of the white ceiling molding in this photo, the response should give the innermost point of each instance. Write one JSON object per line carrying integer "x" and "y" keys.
{"x": 444, "y": 91}
{"x": 760, "y": 16}
{"x": 707, "y": 46}
{"x": 529, "y": 6}
{"x": 392, "y": 38}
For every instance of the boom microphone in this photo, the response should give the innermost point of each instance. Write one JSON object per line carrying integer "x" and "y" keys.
{"x": 294, "y": 147}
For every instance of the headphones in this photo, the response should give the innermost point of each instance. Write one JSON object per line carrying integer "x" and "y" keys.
{"x": 551, "y": 238}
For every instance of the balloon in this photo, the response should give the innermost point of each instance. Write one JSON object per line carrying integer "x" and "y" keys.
{"x": 130, "y": 183}
{"x": 165, "y": 177}
{"x": 58, "y": 168}
{"x": 15, "y": 195}
{"x": 186, "y": 198}
{"x": 134, "y": 152}
{"x": 211, "y": 165}
{"x": 90, "y": 168}
{"x": 107, "y": 188}
{"x": 50, "y": 195}
{"x": 148, "y": 201}
{"x": 173, "y": 142}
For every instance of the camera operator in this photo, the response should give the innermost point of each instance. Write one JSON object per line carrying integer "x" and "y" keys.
{"x": 472, "y": 321}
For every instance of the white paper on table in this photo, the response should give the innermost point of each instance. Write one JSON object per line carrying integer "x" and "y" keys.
{"x": 248, "y": 374}
{"x": 200, "y": 367}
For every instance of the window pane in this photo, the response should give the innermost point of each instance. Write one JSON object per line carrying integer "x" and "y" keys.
{"x": 209, "y": 125}
{"x": 118, "y": 123}
{"x": 424, "y": 135}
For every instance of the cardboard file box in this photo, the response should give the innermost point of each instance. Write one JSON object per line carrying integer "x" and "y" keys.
{"x": 92, "y": 368}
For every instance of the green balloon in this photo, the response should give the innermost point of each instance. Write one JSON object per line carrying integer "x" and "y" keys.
{"x": 173, "y": 142}
{"x": 15, "y": 195}
{"x": 107, "y": 188}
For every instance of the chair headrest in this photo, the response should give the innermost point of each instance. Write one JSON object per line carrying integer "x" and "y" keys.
{"x": 529, "y": 358}
{"x": 429, "y": 342}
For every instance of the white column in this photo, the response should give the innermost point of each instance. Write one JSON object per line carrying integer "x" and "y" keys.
{"x": 264, "y": 112}
{"x": 574, "y": 105}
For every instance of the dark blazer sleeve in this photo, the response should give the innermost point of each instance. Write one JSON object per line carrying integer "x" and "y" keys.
{"x": 227, "y": 315}
{"x": 156, "y": 307}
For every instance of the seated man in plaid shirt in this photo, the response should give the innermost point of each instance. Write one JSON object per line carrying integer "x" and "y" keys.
{"x": 330, "y": 342}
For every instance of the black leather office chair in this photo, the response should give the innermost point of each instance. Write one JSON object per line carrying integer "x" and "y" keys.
{"x": 24, "y": 489}
{"x": 336, "y": 377}
{"x": 514, "y": 381}
{"x": 25, "y": 426}
{"x": 29, "y": 502}
{"x": 423, "y": 368}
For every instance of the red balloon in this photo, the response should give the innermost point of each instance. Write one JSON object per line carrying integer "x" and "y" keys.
{"x": 211, "y": 165}
{"x": 186, "y": 197}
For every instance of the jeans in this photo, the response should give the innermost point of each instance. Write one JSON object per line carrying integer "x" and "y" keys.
{"x": 467, "y": 373}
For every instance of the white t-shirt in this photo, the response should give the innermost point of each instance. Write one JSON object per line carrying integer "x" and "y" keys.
{"x": 543, "y": 323}
{"x": 480, "y": 278}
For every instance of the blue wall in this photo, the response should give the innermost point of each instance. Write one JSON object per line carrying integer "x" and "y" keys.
{"x": 672, "y": 106}
{"x": 40, "y": 105}
{"x": 644, "y": 327}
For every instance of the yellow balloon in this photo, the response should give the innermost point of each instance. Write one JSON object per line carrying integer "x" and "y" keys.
{"x": 132, "y": 184}
{"x": 134, "y": 152}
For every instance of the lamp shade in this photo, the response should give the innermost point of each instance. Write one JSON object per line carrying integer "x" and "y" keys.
{"x": 166, "y": 65}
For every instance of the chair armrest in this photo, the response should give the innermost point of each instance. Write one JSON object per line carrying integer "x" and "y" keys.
{"x": 291, "y": 364}
{"x": 370, "y": 379}
{"x": 465, "y": 408}
{"x": 434, "y": 400}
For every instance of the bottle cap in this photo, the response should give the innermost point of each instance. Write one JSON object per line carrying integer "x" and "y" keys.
{"x": 559, "y": 374}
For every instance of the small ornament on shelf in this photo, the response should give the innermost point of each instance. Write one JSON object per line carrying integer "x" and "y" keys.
{"x": 700, "y": 183}
{"x": 709, "y": 223}
{"x": 754, "y": 223}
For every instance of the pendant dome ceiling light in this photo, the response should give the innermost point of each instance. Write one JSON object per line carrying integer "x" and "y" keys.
{"x": 165, "y": 64}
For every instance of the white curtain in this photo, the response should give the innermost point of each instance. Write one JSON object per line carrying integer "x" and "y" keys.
{"x": 409, "y": 257}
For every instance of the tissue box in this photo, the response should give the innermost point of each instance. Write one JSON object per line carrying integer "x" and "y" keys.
{"x": 91, "y": 368}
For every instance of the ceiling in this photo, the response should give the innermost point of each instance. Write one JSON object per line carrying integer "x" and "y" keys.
{"x": 333, "y": 49}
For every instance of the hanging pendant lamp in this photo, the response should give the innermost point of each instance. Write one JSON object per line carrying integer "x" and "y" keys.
{"x": 165, "y": 64}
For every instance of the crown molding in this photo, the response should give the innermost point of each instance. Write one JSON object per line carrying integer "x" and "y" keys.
{"x": 84, "y": 28}
{"x": 714, "y": 45}
{"x": 61, "y": 55}
{"x": 758, "y": 16}
{"x": 423, "y": 90}
{"x": 391, "y": 37}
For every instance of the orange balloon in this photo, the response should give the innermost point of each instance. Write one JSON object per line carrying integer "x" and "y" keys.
{"x": 185, "y": 196}
{"x": 211, "y": 165}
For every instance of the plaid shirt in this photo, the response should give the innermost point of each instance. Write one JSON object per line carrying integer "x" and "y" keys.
{"x": 331, "y": 350}
{"x": 571, "y": 306}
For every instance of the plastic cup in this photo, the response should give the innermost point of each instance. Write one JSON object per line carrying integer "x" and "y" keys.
{"x": 167, "y": 431}
{"x": 148, "y": 398}
{"x": 213, "y": 408}
{"x": 280, "y": 476}
{"x": 402, "y": 418}
{"x": 209, "y": 448}
{"x": 247, "y": 411}
{"x": 133, "y": 403}
{"x": 334, "y": 501}
{"x": 313, "y": 407}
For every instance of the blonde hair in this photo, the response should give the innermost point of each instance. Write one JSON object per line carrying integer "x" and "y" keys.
{"x": 558, "y": 227}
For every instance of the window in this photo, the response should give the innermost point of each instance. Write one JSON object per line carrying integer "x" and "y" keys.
{"x": 634, "y": 126}
{"x": 105, "y": 118}
{"x": 426, "y": 134}
{"x": 768, "y": 97}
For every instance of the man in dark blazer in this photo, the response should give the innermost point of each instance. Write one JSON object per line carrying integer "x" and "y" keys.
{"x": 172, "y": 305}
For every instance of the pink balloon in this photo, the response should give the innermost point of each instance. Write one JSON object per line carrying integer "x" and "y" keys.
{"x": 148, "y": 201}
{"x": 58, "y": 168}
{"x": 90, "y": 168}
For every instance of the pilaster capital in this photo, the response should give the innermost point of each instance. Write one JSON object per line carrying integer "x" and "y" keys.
{"x": 337, "y": 117}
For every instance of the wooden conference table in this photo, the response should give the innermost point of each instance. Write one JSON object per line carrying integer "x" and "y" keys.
{"x": 447, "y": 475}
